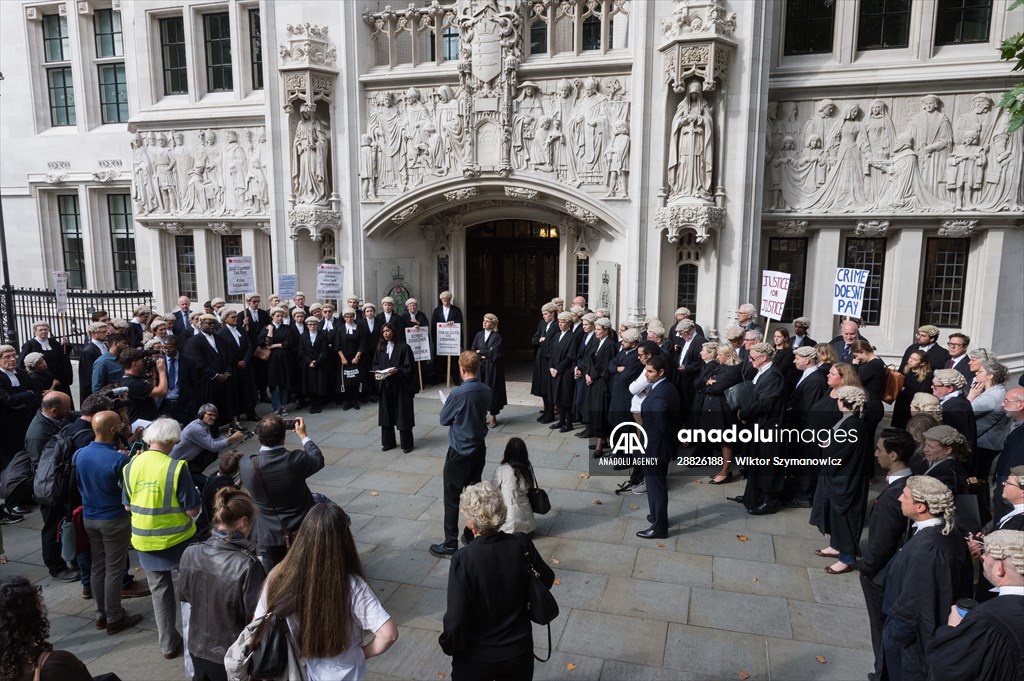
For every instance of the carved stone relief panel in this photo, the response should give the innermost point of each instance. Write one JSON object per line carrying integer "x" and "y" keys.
{"x": 893, "y": 155}
{"x": 211, "y": 172}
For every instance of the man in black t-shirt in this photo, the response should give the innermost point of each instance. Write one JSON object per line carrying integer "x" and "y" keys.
{"x": 142, "y": 395}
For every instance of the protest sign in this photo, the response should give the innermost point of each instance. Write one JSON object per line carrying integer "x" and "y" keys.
{"x": 449, "y": 339}
{"x": 60, "y": 290}
{"x": 848, "y": 293}
{"x": 419, "y": 341}
{"x": 328, "y": 281}
{"x": 774, "y": 289}
{"x": 241, "y": 279}
{"x": 287, "y": 285}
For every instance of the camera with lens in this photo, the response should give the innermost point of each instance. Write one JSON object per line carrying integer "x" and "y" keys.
{"x": 290, "y": 424}
{"x": 150, "y": 358}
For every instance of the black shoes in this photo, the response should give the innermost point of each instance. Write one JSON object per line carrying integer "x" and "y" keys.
{"x": 545, "y": 418}
{"x": 726, "y": 479}
{"x": 565, "y": 429}
{"x": 764, "y": 509}
{"x": 738, "y": 500}
{"x": 66, "y": 575}
{"x": 649, "y": 533}
{"x": 556, "y": 426}
{"x": 798, "y": 503}
{"x": 443, "y": 550}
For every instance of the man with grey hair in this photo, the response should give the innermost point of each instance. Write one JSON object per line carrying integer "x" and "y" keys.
{"x": 849, "y": 332}
{"x": 200, "y": 443}
{"x": 91, "y": 351}
{"x": 1013, "y": 450}
{"x": 947, "y": 385}
{"x": 986, "y": 643}
{"x": 746, "y": 317}
{"x": 924, "y": 579}
{"x": 581, "y": 302}
{"x": 750, "y": 339}
{"x": 686, "y": 362}
{"x": 926, "y": 341}
{"x": 800, "y": 339}
{"x": 445, "y": 313}
{"x": 681, "y": 314}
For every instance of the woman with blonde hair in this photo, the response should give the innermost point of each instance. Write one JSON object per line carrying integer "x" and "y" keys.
{"x": 845, "y": 484}
{"x": 917, "y": 374}
{"x": 328, "y": 608}
{"x": 489, "y": 346}
{"x": 826, "y": 356}
{"x": 714, "y": 412}
{"x": 986, "y": 398}
{"x": 487, "y": 628}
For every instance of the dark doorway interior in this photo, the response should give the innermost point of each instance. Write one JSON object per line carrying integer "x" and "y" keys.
{"x": 511, "y": 270}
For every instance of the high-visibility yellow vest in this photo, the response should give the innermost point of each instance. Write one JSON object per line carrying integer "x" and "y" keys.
{"x": 158, "y": 521}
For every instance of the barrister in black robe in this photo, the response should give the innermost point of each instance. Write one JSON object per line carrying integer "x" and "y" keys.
{"x": 808, "y": 388}
{"x": 350, "y": 341}
{"x": 686, "y": 365}
{"x": 846, "y": 483}
{"x": 699, "y": 397}
{"x": 585, "y": 339}
{"x": 540, "y": 382}
{"x": 913, "y": 383}
{"x": 90, "y": 352}
{"x": 923, "y": 580}
{"x": 983, "y": 589}
{"x": 987, "y": 645}
{"x": 17, "y": 408}
{"x": 371, "y": 337}
{"x": 887, "y": 530}
{"x": 490, "y": 348}
{"x": 560, "y": 365}
{"x": 412, "y": 316}
{"x": 213, "y": 370}
{"x": 764, "y": 482}
{"x": 445, "y": 313}
{"x": 598, "y": 380}
{"x": 297, "y": 329}
{"x": 241, "y": 362}
{"x": 957, "y": 412}
{"x": 926, "y": 341}
{"x": 395, "y": 406}
{"x": 58, "y": 358}
{"x": 624, "y": 369}
{"x": 314, "y": 351}
{"x": 278, "y": 338}
{"x": 252, "y": 320}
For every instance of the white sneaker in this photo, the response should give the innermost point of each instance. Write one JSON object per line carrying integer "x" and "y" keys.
{"x": 639, "y": 489}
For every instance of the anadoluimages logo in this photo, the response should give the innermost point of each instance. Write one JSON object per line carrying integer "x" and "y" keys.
{"x": 628, "y": 439}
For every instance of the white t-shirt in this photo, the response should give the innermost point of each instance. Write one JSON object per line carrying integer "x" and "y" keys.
{"x": 350, "y": 665}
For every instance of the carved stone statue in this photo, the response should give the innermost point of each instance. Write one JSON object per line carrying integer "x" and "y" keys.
{"x": 932, "y": 134}
{"x": 822, "y": 124}
{"x": 691, "y": 154}
{"x": 310, "y": 152}
{"x": 388, "y": 133}
{"x": 905, "y": 188}
{"x": 965, "y": 168}
{"x": 163, "y": 170}
{"x": 256, "y": 194}
{"x": 617, "y": 157}
{"x": 367, "y": 167}
{"x": 564, "y": 156}
{"x": 1004, "y": 184}
{"x": 143, "y": 187}
{"x": 448, "y": 120}
{"x": 881, "y": 139}
{"x": 590, "y": 132}
{"x": 844, "y": 189}
{"x": 524, "y": 125}
{"x": 235, "y": 173}
{"x": 183, "y": 162}
{"x": 416, "y": 120}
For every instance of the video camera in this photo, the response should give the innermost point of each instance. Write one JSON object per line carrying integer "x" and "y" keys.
{"x": 150, "y": 358}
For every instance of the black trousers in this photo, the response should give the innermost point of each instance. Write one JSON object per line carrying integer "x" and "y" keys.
{"x": 387, "y": 437}
{"x": 873, "y": 600}
{"x": 459, "y": 472}
{"x": 517, "y": 669}
{"x": 208, "y": 670}
{"x": 52, "y": 515}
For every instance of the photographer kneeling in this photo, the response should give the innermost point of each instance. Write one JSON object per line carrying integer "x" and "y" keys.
{"x": 276, "y": 479}
{"x": 199, "y": 444}
{"x": 138, "y": 366}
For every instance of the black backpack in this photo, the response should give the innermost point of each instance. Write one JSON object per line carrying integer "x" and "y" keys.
{"x": 53, "y": 473}
{"x": 16, "y": 480}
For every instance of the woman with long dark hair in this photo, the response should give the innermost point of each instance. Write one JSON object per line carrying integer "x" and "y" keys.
{"x": 328, "y": 608}
{"x": 393, "y": 366}
{"x": 514, "y": 477}
{"x": 24, "y": 629}
{"x": 917, "y": 374}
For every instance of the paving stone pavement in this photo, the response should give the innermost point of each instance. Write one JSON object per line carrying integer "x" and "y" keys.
{"x": 725, "y": 596}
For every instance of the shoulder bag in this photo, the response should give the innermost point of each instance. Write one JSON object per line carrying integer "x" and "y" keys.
{"x": 262, "y": 352}
{"x": 894, "y": 379}
{"x": 265, "y": 651}
{"x": 740, "y": 396}
{"x": 541, "y": 605}
{"x": 538, "y": 498}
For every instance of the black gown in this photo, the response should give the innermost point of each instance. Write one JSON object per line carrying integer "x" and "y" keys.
{"x": 349, "y": 344}
{"x": 562, "y": 358}
{"x": 279, "y": 364}
{"x": 620, "y": 406}
{"x": 58, "y": 362}
{"x": 911, "y": 386}
{"x": 245, "y": 377}
{"x": 924, "y": 579}
{"x": 987, "y": 645}
{"x": 765, "y": 482}
{"x": 541, "y": 381}
{"x": 599, "y": 392}
{"x": 315, "y": 380}
{"x": 846, "y": 486}
{"x": 492, "y": 368}
{"x": 395, "y": 408}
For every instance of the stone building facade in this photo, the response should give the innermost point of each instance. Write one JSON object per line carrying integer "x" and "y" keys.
{"x": 647, "y": 154}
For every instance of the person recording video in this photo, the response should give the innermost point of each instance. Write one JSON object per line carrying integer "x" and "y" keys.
{"x": 142, "y": 394}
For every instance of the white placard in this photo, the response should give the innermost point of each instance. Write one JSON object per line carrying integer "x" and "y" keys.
{"x": 419, "y": 341}
{"x": 449, "y": 339}
{"x": 848, "y": 292}
{"x": 774, "y": 289}
{"x": 287, "y": 285}
{"x": 60, "y": 290}
{"x": 328, "y": 281}
{"x": 241, "y": 278}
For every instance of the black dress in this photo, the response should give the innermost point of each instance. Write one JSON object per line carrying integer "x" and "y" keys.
{"x": 279, "y": 364}
{"x": 619, "y": 408}
{"x": 872, "y": 378}
{"x": 846, "y": 486}
{"x": 541, "y": 381}
{"x": 599, "y": 392}
{"x": 315, "y": 380}
{"x": 395, "y": 409}
{"x": 911, "y": 386}
{"x": 714, "y": 412}
{"x": 492, "y": 367}
{"x": 349, "y": 343}
{"x": 58, "y": 362}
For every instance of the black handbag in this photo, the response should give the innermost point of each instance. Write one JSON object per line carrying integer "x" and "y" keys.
{"x": 740, "y": 396}
{"x": 540, "y": 604}
{"x": 539, "y": 501}
{"x": 270, "y": 656}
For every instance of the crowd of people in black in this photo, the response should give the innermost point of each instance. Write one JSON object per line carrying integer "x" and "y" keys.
{"x": 165, "y": 386}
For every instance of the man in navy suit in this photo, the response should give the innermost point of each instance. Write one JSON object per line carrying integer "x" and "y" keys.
{"x": 91, "y": 351}
{"x": 181, "y": 315}
{"x": 849, "y": 332}
{"x": 660, "y": 412}
{"x": 958, "y": 344}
